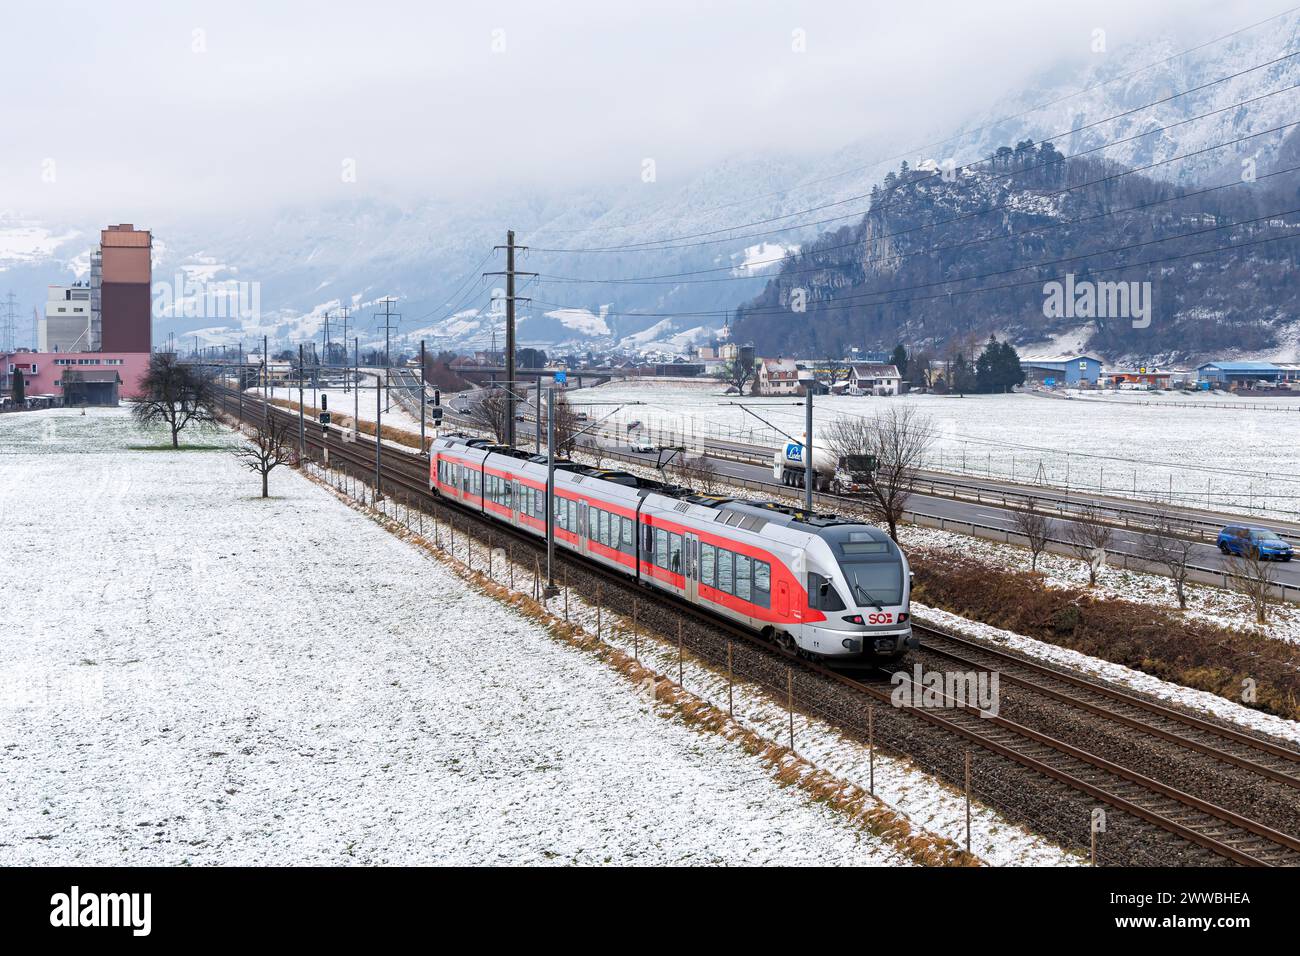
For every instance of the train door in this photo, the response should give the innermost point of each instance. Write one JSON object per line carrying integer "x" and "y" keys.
{"x": 691, "y": 566}
{"x": 783, "y": 599}
{"x": 516, "y": 506}
{"x": 583, "y": 509}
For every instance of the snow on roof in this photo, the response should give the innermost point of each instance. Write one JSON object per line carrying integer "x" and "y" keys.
{"x": 1241, "y": 366}
{"x": 1056, "y": 359}
{"x": 875, "y": 369}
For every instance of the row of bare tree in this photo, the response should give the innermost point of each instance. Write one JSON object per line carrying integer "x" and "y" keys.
{"x": 1169, "y": 544}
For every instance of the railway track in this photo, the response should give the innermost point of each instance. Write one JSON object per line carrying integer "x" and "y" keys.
{"x": 1236, "y": 748}
{"x": 1223, "y": 832}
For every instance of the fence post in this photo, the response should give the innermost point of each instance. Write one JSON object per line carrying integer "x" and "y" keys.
{"x": 968, "y": 800}
{"x": 681, "y": 677}
{"x": 731, "y": 704}
{"x": 636, "y": 631}
{"x": 598, "y": 610}
{"x": 490, "y": 556}
{"x": 510, "y": 563}
{"x": 871, "y": 749}
{"x": 566, "y": 595}
{"x": 789, "y": 701}
{"x": 537, "y": 571}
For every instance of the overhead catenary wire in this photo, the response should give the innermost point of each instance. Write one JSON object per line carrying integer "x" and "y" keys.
{"x": 1036, "y": 229}
{"x": 843, "y": 303}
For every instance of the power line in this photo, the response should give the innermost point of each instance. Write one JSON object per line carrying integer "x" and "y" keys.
{"x": 661, "y": 245}
{"x": 684, "y": 277}
{"x": 839, "y": 303}
{"x": 979, "y": 129}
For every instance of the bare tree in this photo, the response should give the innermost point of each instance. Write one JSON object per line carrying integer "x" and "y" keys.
{"x": 1253, "y": 577}
{"x": 567, "y": 425}
{"x": 896, "y": 440}
{"x": 490, "y": 411}
{"x": 1089, "y": 536}
{"x": 699, "y": 473}
{"x": 738, "y": 373}
{"x": 176, "y": 395}
{"x": 270, "y": 445}
{"x": 1171, "y": 547}
{"x": 1036, "y": 529}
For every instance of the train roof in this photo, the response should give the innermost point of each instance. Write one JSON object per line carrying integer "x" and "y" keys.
{"x": 758, "y": 513}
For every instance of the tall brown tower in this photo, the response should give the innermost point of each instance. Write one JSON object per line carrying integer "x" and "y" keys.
{"x": 126, "y": 307}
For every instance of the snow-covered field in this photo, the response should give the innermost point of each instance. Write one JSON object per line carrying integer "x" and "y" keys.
{"x": 1237, "y": 453}
{"x": 194, "y": 675}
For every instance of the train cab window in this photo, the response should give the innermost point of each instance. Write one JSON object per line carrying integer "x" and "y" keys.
{"x": 743, "y": 572}
{"x": 822, "y": 595}
{"x": 708, "y": 555}
{"x": 724, "y": 571}
{"x": 762, "y": 584}
{"x": 675, "y": 553}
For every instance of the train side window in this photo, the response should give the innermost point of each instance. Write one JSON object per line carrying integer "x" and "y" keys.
{"x": 647, "y": 543}
{"x": 661, "y": 547}
{"x": 707, "y": 557}
{"x": 626, "y": 539}
{"x": 724, "y": 571}
{"x": 743, "y": 572}
{"x": 675, "y": 553}
{"x": 603, "y": 525}
{"x": 822, "y": 595}
{"x": 762, "y": 584}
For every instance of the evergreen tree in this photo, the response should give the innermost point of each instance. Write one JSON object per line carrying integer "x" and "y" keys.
{"x": 899, "y": 359}
{"x": 20, "y": 387}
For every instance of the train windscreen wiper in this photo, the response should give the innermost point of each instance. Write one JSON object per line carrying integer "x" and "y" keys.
{"x": 867, "y": 594}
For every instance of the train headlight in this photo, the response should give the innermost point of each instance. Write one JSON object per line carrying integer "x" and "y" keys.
{"x": 903, "y": 617}
{"x": 854, "y": 618}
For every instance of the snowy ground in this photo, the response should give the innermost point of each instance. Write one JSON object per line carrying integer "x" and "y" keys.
{"x": 197, "y": 675}
{"x": 1134, "y": 445}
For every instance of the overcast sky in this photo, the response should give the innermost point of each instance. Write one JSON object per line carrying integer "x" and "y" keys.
{"x": 174, "y": 107}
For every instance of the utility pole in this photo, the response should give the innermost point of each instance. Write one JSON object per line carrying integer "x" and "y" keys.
{"x": 325, "y": 338}
{"x": 356, "y": 385}
{"x": 8, "y": 329}
{"x": 422, "y": 383}
{"x": 538, "y": 416}
{"x": 551, "y": 589}
{"x": 379, "y": 439}
{"x": 510, "y": 274}
{"x": 808, "y": 452}
{"x": 302, "y": 431}
{"x": 387, "y": 315}
{"x": 345, "y": 345}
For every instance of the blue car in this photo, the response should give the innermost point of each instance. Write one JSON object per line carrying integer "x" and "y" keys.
{"x": 1238, "y": 539}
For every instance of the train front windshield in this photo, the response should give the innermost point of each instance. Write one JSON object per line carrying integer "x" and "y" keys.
{"x": 874, "y": 583}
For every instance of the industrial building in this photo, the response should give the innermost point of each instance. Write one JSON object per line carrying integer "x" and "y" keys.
{"x": 1052, "y": 370}
{"x": 66, "y": 326}
{"x": 1247, "y": 374}
{"x": 95, "y": 338}
{"x": 126, "y": 279}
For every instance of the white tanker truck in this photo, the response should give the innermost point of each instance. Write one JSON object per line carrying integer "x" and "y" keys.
{"x": 841, "y": 475}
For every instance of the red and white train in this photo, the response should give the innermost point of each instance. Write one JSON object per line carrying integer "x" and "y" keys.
{"x": 827, "y": 586}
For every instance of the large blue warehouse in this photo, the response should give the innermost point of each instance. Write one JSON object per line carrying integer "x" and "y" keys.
{"x": 1061, "y": 369}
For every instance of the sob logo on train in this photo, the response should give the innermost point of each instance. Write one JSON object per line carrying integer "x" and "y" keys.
{"x": 884, "y": 617}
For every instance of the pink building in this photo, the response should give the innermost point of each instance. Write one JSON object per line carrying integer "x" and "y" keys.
{"x": 97, "y": 377}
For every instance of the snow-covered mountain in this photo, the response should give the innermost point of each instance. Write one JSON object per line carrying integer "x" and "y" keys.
{"x": 308, "y": 262}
